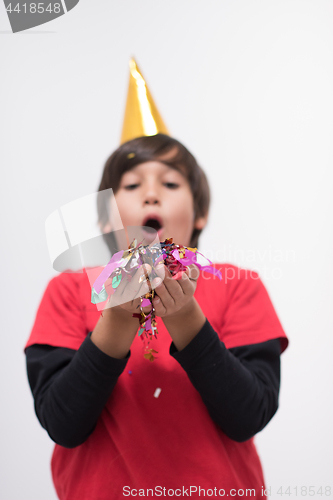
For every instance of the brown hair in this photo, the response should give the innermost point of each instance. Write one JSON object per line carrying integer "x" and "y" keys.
{"x": 169, "y": 151}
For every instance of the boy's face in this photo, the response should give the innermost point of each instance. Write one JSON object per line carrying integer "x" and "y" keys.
{"x": 155, "y": 191}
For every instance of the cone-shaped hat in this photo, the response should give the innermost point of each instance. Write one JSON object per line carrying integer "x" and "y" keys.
{"x": 141, "y": 115}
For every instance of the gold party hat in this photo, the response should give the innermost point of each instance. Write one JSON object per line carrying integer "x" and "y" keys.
{"x": 141, "y": 115}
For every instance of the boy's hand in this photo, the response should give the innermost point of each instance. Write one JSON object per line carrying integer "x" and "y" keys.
{"x": 173, "y": 293}
{"x": 172, "y": 297}
{"x": 127, "y": 294}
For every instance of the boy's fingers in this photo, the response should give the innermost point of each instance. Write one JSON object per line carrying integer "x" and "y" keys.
{"x": 161, "y": 271}
{"x": 193, "y": 272}
{"x": 188, "y": 279}
{"x": 156, "y": 282}
{"x": 159, "y": 306}
{"x": 128, "y": 291}
{"x": 138, "y": 285}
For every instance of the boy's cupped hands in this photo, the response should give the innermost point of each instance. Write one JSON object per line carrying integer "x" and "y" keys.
{"x": 172, "y": 293}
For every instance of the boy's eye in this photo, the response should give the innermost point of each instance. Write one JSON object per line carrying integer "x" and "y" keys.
{"x": 169, "y": 185}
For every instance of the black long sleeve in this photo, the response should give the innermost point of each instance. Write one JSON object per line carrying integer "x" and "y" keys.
{"x": 71, "y": 388}
{"x": 239, "y": 386}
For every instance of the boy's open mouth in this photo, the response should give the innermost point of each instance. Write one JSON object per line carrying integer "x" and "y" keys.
{"x": 153, "y": 222}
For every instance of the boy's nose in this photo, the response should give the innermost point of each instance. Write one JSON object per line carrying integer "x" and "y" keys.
{"x": 151, "y": 197}
{"x": 151, "y": 201}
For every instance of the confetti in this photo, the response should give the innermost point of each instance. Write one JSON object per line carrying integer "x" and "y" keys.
{"x": 124, "y": 264}
{"x": 157, "y": 392}
{"x": 149, "y": 354}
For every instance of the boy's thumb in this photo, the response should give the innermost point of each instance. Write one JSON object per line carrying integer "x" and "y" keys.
{"x": 146, "y": 268}
{"x": 192, "y": 272}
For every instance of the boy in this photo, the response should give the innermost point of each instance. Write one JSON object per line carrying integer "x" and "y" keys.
{"x": 216, "y": 378}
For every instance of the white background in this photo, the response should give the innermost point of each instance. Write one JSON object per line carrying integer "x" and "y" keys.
{"x": 247, "y": 87}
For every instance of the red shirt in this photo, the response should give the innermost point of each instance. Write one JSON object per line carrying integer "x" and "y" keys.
{"x": 142, "y": 442}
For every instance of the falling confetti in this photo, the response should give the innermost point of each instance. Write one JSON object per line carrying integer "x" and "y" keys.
{"x": 157, "y": 392}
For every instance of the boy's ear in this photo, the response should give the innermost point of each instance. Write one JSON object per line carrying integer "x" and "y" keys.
{"x": 200, "y": 222}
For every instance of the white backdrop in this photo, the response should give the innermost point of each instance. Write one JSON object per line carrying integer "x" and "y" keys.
{"x": 247, "y": 86}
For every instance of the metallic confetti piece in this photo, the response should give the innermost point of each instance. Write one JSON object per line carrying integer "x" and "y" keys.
{"x": 96, "y": 298}
{"x": 142, "y": 278}
{"x": 141, "y": 331}
{"x": 157, "y": 392}
{"x": 149, "y": 354}
{"x": 116, "y": 281}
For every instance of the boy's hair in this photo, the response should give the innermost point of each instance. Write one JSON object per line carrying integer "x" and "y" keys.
{"x": 169, "y": 151}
